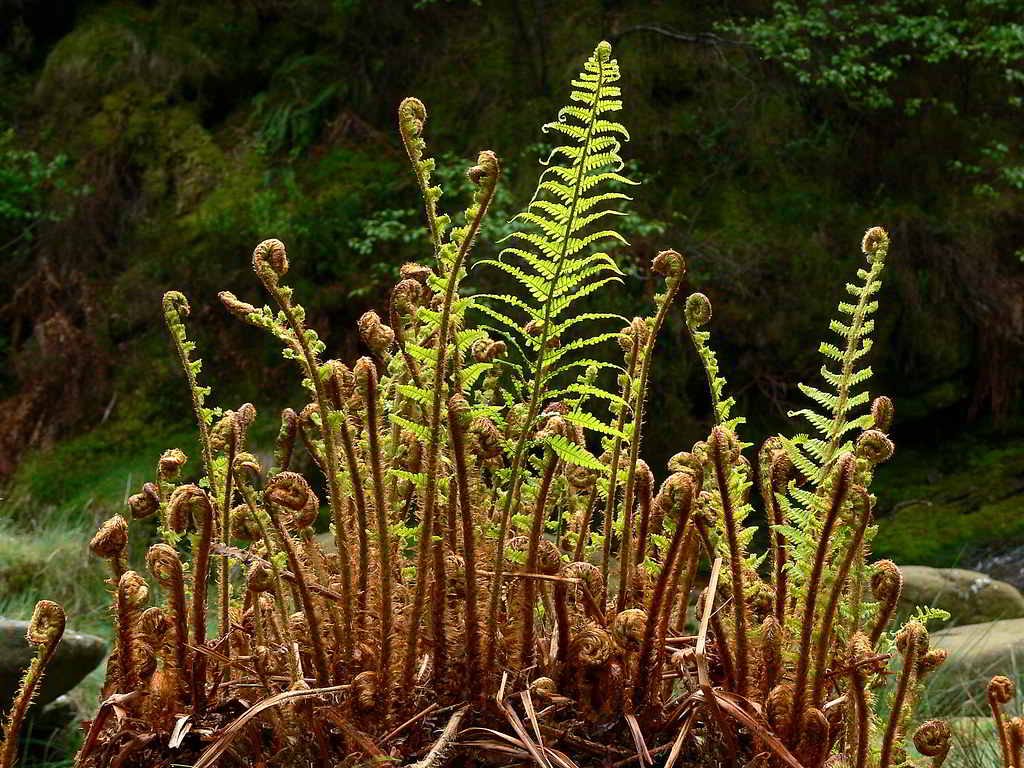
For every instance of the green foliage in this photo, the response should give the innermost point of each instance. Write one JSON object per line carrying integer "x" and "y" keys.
{"x": 864, "y": 50}
{"x": 880, "y": 56}
{"x": 556, "y": 263}
{"x": 27, "y": 185}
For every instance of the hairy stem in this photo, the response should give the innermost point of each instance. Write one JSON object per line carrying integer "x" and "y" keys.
{"x": 840, "y": 492}
{"x": 457, "y": 413}
{"x": 526, "y": 644}
{"x": 367, "y": 376}
{"x": 719, "y": 446}
{"x": 284, "y": 540}
{"x": 658, "y": 611}
{"x": 907, "y": 674}
{"x": 640, "y": 397}
{"x": 269, "y": 277}
{"x": 825, "y": 632}
{"x": 609, "y": 507}
{"x": 485, "y": 194}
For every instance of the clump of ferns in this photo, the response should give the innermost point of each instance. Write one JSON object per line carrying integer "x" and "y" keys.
{"x": 504, "y": 565}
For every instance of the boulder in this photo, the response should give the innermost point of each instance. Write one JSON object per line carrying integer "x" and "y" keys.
{"x": 977, "y": 652}
{"x": 58, "y": 714}
{"x": 969, "y": 596}
{"x": 76, "y": 656}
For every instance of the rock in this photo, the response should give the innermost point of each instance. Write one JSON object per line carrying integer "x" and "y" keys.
{"x": 59, "y": 713}
{"x": 1002, "y": 562}
{"x": 969, "y": 596}
{"x": 76, "y": 656}
{"x": 977, "y": 652}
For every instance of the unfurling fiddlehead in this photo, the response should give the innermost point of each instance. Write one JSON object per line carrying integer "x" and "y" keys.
{"x": 44, "y": 631}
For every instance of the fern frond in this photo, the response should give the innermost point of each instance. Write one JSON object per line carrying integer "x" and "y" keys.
{"x": 833, "y": 420}
{"x": 566, "y": 185}
{"x": 574, "y": 454}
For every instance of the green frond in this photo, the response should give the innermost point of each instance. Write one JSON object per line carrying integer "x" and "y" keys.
{"x": 574, "y": 454}
{"x": 551, "y": 258}
{"x": 588, "y": 389}
{"x": 591, "y": 422}
{"x": 417, "y": 394}
{"x": 565, "y": 325}
{"x": 421, "y": 431}
{"x": 562, "y": 303}
{"x": 832, "y": 418}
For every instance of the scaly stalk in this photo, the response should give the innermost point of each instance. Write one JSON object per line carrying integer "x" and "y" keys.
{"x": 366, "y": 377}
{"x": 458, "y": 422}
{"x": 334, "y": 386}
{"x": 44, "y": 631}
{"x": 670, "y": 264}
{"x": 838, "y": 586}
{"x": 270, "y": 262}
{"x": 588, "y": 512}
{"x": 914, "y": 636}
{"x": 278, "y": 586}
{"x": 527, "y": 640}
{"x": 720, "y": 445}
{"x": 165, "y": 565}
{"x": 284, "y": 540}
{"x": 999, "y": 693}
{"x": 840, "y": 491}
{"x": 678, "y": 496}
{"x": 613, "y": 473}
{"x": 485, "y": 176}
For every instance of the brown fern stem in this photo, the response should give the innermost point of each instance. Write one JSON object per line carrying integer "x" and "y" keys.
{"x": 828, "y": 619}
{"x": 485, "y": 193}
{"x": 315, "y": 557}
{"x": 840, "y": 491}
{"x": 858, "y": 686}
{"x": 278, "y": 588}
{"x": 366, "y": 374}
{"x": 45, "y": 631}
{"x": 658, "y": 611}
{"x": 644, "y": 501}
{"x": 584, "y": 532}
{"x": 527, "y": 640}
{"x": 458, "y": 412}
{"x": 771, "y": 477}
{"x": 165, "y": 565}
{"x": 609, "y": 507}
{"x": 914, "y": 635}
{"x": 438, "y": 629}
{"x": 358, "y": 498}
{"x": 224, "y": 582}
{"x": 719, "y": 443}
{"x": 269, "y": 262}
{"x": 640, "y": 396}
{"x": 284, "y": 540}
{"x": 200, "y": 574}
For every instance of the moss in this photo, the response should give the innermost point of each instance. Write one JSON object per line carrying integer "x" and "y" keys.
{"x": 112, "y": 46}
{"x": 946, "y": 503}
{"x": 97, "y": 469}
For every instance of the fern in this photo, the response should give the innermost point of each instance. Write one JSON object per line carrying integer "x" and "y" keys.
{"x": 551, "y": 259}
{"x": 698, "y": 313}
{"x": 554, "y": 264}
{"x": 834, "y": 417}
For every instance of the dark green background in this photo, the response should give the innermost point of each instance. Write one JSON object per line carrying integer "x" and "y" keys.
{"x": 149, "y": 146}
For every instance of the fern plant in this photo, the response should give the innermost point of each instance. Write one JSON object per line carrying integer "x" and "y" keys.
{"x": 505, "y": 568}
